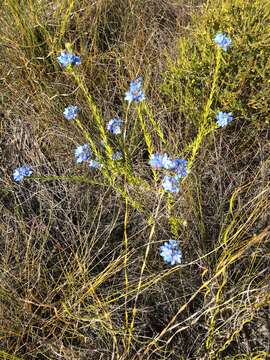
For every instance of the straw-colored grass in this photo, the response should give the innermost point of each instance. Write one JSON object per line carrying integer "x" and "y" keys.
{"x": 81, "y": 275}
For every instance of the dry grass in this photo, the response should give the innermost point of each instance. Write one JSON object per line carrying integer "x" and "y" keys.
{"x": 81, "y": 275}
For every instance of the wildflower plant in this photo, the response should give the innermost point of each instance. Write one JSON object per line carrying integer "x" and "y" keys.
{"x": 83, "y": 288}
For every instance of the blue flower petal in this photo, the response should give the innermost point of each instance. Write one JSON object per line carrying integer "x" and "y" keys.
{"x": 95, "y": 164}
{"x": 68, "y": 58}
{"x": 223, "y": 118}
{"x": 71, "y": 112}
{"x": 114, "y": 126}
{"x": 82, "y": 153}
{"x": 170, "y": 184}
{"x": 135, "y": 92}
{"x": 171, "y": 252}
{"x": 222, "y": 41}
{"x": 21, "y": 172}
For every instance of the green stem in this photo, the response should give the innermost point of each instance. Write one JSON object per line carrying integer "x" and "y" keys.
{"x": 204, "y": 128}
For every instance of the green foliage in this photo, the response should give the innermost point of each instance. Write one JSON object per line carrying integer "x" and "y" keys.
{"x": 243, "y": 78}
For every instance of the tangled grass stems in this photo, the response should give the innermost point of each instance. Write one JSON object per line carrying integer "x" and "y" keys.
{"x": 231, "y": 260}
{"x": 81, "y": 272}
{"x": 7, "y": 356}
{"x": 151, "y": 234}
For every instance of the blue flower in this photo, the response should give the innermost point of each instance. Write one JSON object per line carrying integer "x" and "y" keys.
{"x": 68, "y": 58}
{"x": 71, "y": 112}
{"x": 156, "y": 161}
{"x": 159, "y": 161}
{"x": 21, "y": 172}
{"x": 114, "y": 126}
{"x": 136, "y": 84}
{"x": 95, "y": 164}
{"x": 223, "y": 41}
{"x": 82, "y": 153}
{"x": 135, "y": 92}
{"x": 117, "y": 155}
{"x": 170, "y": 184}
{"x": 181, "y": 168}
{"x": 171, "y": 252}
{"x": 223, "y": 118}
{"x": 168, "y": 163}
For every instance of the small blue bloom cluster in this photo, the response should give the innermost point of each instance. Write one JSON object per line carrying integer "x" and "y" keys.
{"x": 156, "y": 161}
{"x": 171, "y": 252}
{"x": 222, "y": 41}
{"x": 179, "y": 166}
{"x": 71, "y": 112}
{"x": 135, "y": 92}
{"x": 67, "y": 58}
{"x": 21, "y": 172}
{"x": 114, "y": 126}
{"x": 82, "y": 153}
{"x": 168, "y": 163}
{"x": 95, "y": 164}
{"x": 117, "y": 155}
{"x": 170, "y": 184}
{"x": 223, "y": 118}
